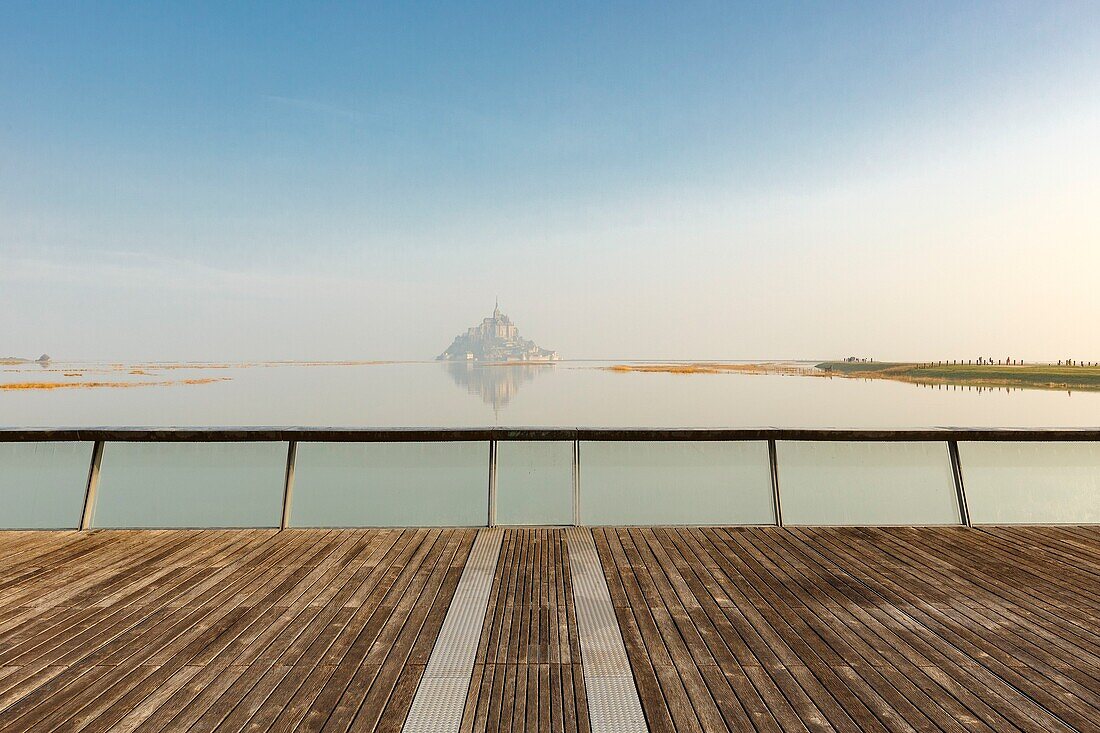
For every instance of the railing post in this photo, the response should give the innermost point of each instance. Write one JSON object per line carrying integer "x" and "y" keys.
{"x": 576, "y": 483}
{"x": 492, "y": 518}
{"x": 92, "y": 486}
{"x": 288, "y": 485}
{"x": 773, "y": 461}
{"x": 956, "y": 472}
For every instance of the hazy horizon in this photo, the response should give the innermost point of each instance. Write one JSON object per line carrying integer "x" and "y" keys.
{"x": 704, "y": 181}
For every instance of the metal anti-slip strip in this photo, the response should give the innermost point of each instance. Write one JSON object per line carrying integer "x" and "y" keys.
{"x": 441, "y": 695}
{"x": 613, "y": 703}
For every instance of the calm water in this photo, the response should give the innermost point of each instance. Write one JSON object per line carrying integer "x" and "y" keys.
{"x": 564, "y": 394}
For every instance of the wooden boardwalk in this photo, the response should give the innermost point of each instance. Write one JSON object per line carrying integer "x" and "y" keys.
{"x": 220, "y": 630}
{"x": 726, "y": 629}
{"x": 527, "y": 674}
{"x": 860, "y": 629}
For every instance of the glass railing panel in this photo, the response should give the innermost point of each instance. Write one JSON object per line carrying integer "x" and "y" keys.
{"x": 1031, "y": 482}
{"x": 191, "y": 485}
{"x": 675, "y": 482}
{"x": 857, "y": 483}
{"x": 534, "y": 482}
{"x": 391, "y": 484}
{"x": 42, "y": 484}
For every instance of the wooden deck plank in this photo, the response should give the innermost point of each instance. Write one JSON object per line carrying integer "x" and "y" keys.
{"x": 525, "y": 663}
{"x": 994, "y": 650}
{"x": 857, "y": 628}
{"x": 765, "y": 629}
{"x": 948, "y": 666}
{"x": 154, "y": 634}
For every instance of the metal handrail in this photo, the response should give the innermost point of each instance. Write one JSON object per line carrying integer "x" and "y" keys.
{"x": 294, "y": 435}
{"x": 429, "y": 434}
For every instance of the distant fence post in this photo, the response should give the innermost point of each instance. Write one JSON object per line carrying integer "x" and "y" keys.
{"x": 92, "y": 487}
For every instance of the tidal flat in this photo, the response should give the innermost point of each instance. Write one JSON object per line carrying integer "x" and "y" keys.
{"x": 568, "y": 394}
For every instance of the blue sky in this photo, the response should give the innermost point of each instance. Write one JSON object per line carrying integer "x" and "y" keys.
{"x": 691, "y": 180}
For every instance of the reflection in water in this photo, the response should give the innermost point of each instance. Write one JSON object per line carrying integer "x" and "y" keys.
{"x": 496, "y": 383}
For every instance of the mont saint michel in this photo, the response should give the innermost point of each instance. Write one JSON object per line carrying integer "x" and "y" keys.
{"x": 495, "y": 339}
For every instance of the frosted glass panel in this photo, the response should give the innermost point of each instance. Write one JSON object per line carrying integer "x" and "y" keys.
{"x": 42, "y": 484}
{"x": 534, "y": 482}
{"x": 1031, "y": 482}
{"x": 391, "y": 485}
{"x": 675, "y": 482}
{"x": 191, "y": 485}
{"x": 866, "y": 483}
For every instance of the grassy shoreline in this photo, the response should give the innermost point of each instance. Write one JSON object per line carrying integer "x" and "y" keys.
{"x": 1022, "y": 376}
